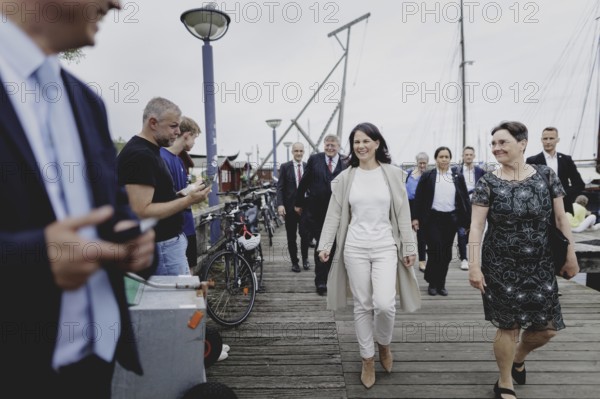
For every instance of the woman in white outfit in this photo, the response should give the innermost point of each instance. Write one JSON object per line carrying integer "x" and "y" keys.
{"x": 369, "y": 215}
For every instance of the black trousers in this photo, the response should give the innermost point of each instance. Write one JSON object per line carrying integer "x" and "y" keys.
{"x": 322, "y": 268}
{"x": 422, "y": 247}
{"x": 90, "y": 378}
{"x": 192, "y": 251}
{"x": 294, "y": 225}
{"x": 439, "y": 236}
{"x": 462, "y": 243}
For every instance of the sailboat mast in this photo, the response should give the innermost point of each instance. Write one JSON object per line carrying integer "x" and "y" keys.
{"x": 462, "y": 71}
{"x": 346, "y": 52}
{"x": 598, "y": 152}
{"x": 598, "y": 137}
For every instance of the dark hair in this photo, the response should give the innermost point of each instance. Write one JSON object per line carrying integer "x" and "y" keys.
{"x": 382, "y": 154}
{"x": 469, "y": 148}
{"x": 442, "y": 149}
{"x": 516, "y": 129}
{"x": 552, "y": 128}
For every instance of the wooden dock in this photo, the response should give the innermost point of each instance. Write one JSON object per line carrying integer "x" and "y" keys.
{"x": 292, "y": 347}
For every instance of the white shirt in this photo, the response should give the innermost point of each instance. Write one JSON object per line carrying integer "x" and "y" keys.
{"x": 334, "y": 161}
{"x": 444, "y": 196}
{"x": 552, "y": 161}
{"x": 370, "y": 225}
{"x": 296, "y": 164}
{"x": 469, "y": 175}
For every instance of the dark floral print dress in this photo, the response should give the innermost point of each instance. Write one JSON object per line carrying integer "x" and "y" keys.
{"x": 521, "y": 291}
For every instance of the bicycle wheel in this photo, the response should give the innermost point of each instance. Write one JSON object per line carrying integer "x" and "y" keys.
{"x": 257, "y": 266}
{"x": 269, "y": 226}
{"x": 275, "y": 218}
{"x": 231, "y": 300}
{"x": 271, "y": 230}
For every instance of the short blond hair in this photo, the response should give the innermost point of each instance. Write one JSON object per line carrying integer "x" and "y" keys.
{"x": 189, "y": 125}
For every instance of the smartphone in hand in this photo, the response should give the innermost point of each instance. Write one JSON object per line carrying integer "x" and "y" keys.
{"x": 133, "y": 232}
{"x": 191, "y": 187}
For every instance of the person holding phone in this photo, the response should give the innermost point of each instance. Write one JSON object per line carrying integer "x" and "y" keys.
{"x": 189, "y": 131}
{"x": 149, "y": 184}
{"x": 514, "y": 268}
{"x": 62, "y": 267}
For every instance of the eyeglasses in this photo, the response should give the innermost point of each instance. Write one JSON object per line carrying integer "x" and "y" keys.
{"x": 500, "y": 143}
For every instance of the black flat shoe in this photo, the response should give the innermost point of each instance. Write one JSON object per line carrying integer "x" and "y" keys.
{"x": 498, "y": 392}
{"x": 432, "y": 291}
{"x": 442, "y": 291}
{"x": 519, "y": 376}
{"x": 305, "y": 264}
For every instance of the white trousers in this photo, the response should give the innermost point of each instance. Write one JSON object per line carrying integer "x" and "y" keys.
{"x": 372, "y": 279}
{"x": 587, "y": 223}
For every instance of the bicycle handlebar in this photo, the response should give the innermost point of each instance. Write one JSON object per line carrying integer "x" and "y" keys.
{"x": 178, "y": 286}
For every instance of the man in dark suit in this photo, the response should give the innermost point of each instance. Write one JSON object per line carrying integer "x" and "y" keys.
{"x": 290, "y": 175}
{"x": 313, "y": 196}
{"x": 562, "y": 165}
{"x": 63, "y": 309}
{"x": 472, "y": 173}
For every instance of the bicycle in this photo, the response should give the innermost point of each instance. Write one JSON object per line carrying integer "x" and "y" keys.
{"x": 270, "y": 199}
{"x": 266, "y": 218}
{"x": 236, "y": 271}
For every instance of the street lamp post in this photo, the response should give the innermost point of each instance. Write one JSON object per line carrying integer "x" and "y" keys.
{"x": 248, "y": 168}
{"x": 209, "y": 24}
{"x": 287, "y": 145}
{"x": 274, "y": 123}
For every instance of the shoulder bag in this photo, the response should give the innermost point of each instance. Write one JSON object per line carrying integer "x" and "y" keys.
{"x": 557, "y": 240}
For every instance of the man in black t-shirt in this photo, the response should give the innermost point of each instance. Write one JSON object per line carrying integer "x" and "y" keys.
{"x": 149, "y": 184}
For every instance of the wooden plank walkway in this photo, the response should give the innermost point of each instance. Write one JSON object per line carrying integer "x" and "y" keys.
{"x": 292, "y": 347}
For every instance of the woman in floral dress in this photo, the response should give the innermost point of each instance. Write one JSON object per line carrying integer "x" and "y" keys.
{"x": 515, "y": 272}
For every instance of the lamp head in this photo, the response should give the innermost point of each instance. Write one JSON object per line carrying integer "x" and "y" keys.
{"x": 208, "y": 23}
{"x": 273, "y": 123}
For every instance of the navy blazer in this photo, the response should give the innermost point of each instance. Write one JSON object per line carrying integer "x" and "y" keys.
{"x": 478, "y": 172}
{"x": 424, "y": 198}
{"x": 568, "y": 175}
{"x": 314, "y": 189}
{"x": 30, "y": 299}
{"x": 286, "y": 186}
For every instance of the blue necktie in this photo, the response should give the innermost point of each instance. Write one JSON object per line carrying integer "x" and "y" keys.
{"x": 64, "y": 148}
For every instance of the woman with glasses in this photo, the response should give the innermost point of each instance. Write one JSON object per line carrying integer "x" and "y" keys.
{"x": 515, "y": 270}
{"x": 442, "y": 206}
{"x": 412, "y": 180}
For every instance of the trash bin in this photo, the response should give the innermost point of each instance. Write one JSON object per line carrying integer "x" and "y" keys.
{"x": 169, "y": 327}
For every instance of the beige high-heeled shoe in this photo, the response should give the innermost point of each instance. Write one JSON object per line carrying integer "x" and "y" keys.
{"x": 367, "y": 376}
{"x": 385, "y": 357}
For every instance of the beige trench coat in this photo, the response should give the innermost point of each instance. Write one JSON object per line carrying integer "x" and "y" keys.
{"x": 336, "y": 226}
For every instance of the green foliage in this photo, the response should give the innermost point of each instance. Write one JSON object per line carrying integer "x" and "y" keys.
{"x": 119, "y": 144}
{"x": 74, "y": 55}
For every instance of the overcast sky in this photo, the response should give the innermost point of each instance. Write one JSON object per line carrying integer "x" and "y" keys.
{"x": 403, "y": 70}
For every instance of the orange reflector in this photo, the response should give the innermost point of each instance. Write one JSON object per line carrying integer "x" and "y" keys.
{"x": 195, "y": 319}
{"x": 245, "y": 290}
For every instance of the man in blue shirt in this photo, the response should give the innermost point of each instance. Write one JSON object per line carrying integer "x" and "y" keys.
{"x": 472, "y": 174}
{"x": 189, "y": 131}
